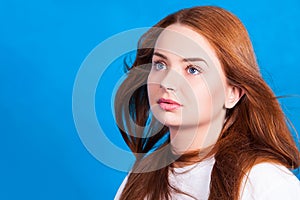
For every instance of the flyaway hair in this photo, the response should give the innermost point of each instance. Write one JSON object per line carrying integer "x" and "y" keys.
{"x": 255, "y": 130}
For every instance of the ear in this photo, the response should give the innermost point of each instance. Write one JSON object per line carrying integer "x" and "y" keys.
{"x": 233, "y": 95}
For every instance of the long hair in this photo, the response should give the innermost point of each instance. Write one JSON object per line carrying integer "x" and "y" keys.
{"x": 255, "y": 129}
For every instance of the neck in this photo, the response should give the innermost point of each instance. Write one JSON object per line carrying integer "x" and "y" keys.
{"x": 185, "y": 139}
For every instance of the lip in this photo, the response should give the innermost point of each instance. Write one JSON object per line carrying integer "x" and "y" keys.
{"x": 168, "y": 104}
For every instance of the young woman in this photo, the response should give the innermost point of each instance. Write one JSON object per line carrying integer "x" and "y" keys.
{"x": 200, "y": 119}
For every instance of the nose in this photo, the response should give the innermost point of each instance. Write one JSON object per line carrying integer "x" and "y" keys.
{"x": 170, "y": 81}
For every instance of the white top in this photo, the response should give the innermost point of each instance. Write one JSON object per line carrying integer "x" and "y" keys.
{"x": 265, "y": 181}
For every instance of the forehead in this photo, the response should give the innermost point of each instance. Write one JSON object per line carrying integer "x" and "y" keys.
{"x": 184, "y": 42}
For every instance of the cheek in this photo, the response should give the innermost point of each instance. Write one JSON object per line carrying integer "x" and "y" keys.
{"x": 214, "y": 92}
{"x": 207, "y": 97}
{"x": 203, "y": 99}
{"x": 151, "y": 91}
{"x": 152, "y": 88}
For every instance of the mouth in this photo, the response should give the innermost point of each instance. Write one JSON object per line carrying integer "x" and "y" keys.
{"x": 168, "y": 104}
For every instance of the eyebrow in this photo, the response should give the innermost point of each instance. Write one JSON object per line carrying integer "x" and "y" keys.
{"x": 184, "y": 59}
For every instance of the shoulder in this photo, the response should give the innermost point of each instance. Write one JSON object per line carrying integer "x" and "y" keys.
{"x": 270, "y": 181}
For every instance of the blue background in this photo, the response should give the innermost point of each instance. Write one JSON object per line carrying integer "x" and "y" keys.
{"x": 42, "y": 45}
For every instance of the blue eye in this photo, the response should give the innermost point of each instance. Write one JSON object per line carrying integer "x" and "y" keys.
{"x": 193, "y": 70}
{"x": 159, "y": 66}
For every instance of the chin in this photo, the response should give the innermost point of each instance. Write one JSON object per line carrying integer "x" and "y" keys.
{"x": 167, "y": 118}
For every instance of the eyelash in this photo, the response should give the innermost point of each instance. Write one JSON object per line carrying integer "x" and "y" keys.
{"x": 155, "y": 63}
{"x": 194, "y": 67}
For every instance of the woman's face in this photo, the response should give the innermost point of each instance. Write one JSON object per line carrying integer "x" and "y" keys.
{"x": 186, "y": 85}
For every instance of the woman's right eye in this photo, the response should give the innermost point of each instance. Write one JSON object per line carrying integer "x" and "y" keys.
{"x": 159, "y": 66}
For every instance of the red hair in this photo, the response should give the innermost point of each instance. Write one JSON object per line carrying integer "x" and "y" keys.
{"x": 255, "y": 129}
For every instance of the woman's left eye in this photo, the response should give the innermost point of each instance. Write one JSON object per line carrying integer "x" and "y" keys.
{"x": 193, "y": 70}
